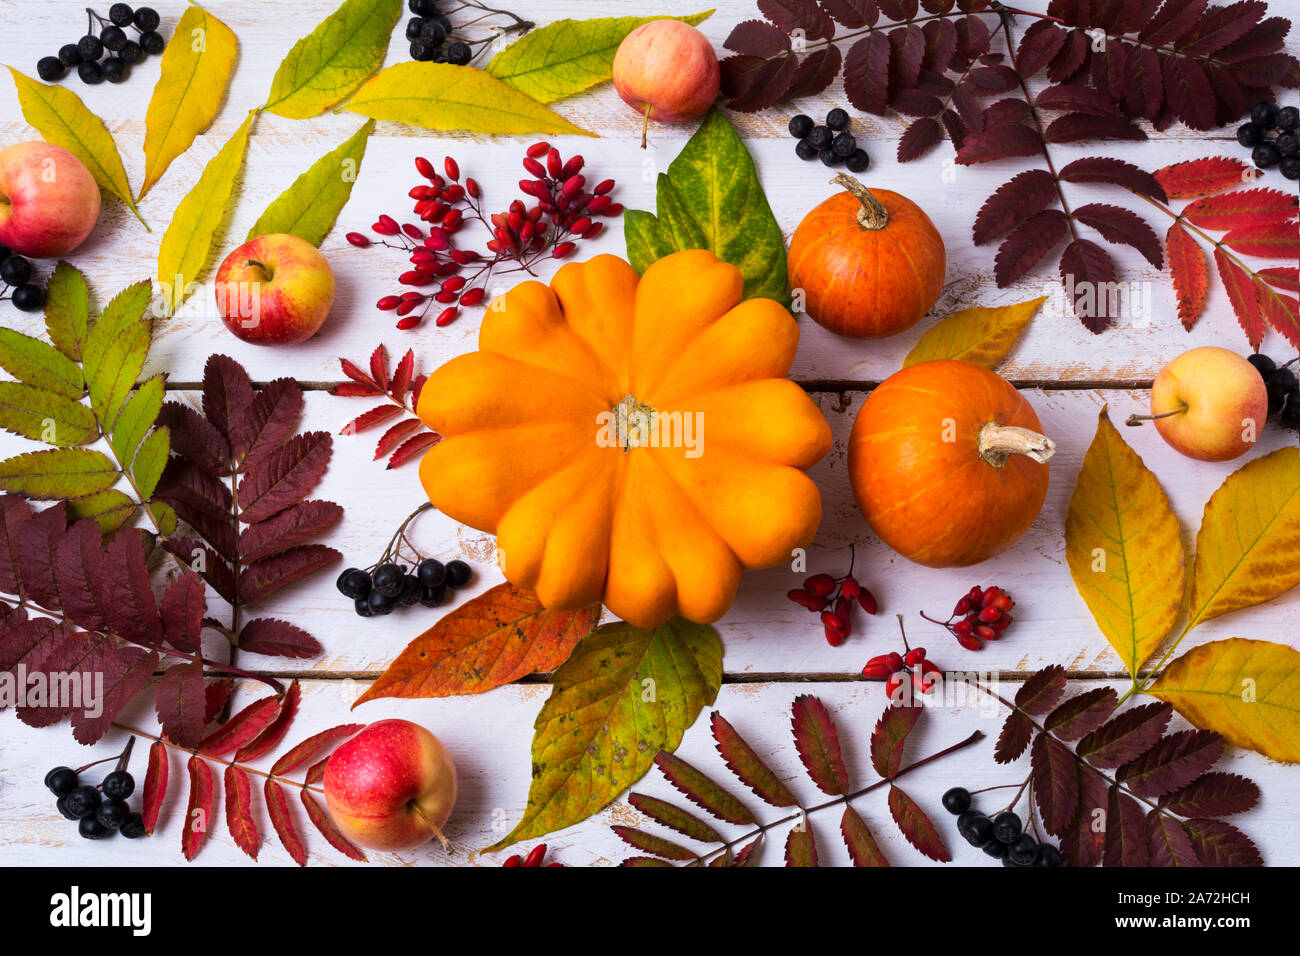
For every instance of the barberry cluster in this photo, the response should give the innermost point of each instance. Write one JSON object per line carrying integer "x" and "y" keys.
{"x": 563, "y": 211}
{"x": 981, "y": 615}
{"x": 894, "y": 669}
{"x": 833, "y": 598}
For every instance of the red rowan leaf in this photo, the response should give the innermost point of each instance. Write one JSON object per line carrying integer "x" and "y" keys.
{"x": 396, "y": 435}
{"x": 1027, "y": 244}
{"x": 155, "y": 786}
{"x": 1213, "y": 795}
{"x": 862, "y": 846}
{"x": 323, "y": 822}
{"x": 180, "y": 701}
{"x": 1040, "y": 42}
{"x": 296, "y": 525}
{"x": 402, "y": 375}
{"x": 675, "y": 818}
{"x": 37, "y": 553}
{"x": 1126, "y": 736}
{"x": 1074, "y": 127}
{"x": 913, "y": 102}
{"x": 413, "y": 447}
{"x": 182, "y": 608}
{"x": 379, "y": 366}
{"x": 918, "y": 139}
{"x": 276, "y": 638}
{"x": 283, "y": 476}
{"x": 126, "y": 671}
{"x": 818, "y": 743}
{"x": 239, "y": 812}
{"x": 1041, "y": 691}
{"x": 270, "y": 420}
{"x": 227, "y": 393}
{"x": 1193, "y": 178}
{"x": 194, "y": 493}
{"x": 1190, "y": 272}
{"x": 757, "y": 38}
{"x": 1056, "y": 783}
{"x": 650, "y": 843}
{"x": 816, "y": 72}
{"x": 701, "y": 790}
{"x": 1083, "y": 842}
{"x": 1240, "y": 208}
{"x": 866, "y": 73}
{"x": 1072, "y": 98}
{"x": 973, "y": 39}
{"x": 1221, "y": 844}
{"x": 1282, "y": 277}
{"x": 1081, "y": 714}
{"x": 316, "y": 772}
{"x": 313, "y": 748}
{"x": 747, "y": 855}
{"x": 264, "y": 578}
{"x": 852, "y": 13}
{"x": 1087, "y": 269}
{"x": 801, "y": 844}
{"x": 1024, "y": 195}
{"x": 1174, "y": 762}
{"x": 14, "y": 513}
{"x": 747, "y": 765}
{"x": 1282, "y": 312}
{"x": 1168, "y": 843}
{"x": 916, "y": 826}
{"x": 955, "y": 127}
{"x": 1105, "y": 169}
{"x": 358, "y": 376}
{"x": 1269, "y": 240}
{"x": 644, "y": 862}
{"x": 1126, "y": 831}
{"x": 198, "y": 813}
{"x": 215, "y": 695}
{"x": 277, "y": 805}
{"x": 216, "y": 571}
{"x": 889, "y": 737}
{"x": 1017, "y": 731}
{"x": 1119, "y": 225}
{"x": 270, "y": 738}
{"x": 1244, "y": 296}
{"x": 355, "y": 390}
{"x": 1005, "y": 112}
{"x": 241, "y": 728}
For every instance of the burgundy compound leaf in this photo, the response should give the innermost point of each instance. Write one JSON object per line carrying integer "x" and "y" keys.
{"x": 129, "y": 602}
{"x": 1070, "y": 97}
{"x": 757, "y": 38}
{"x": 1119, "y": 225}
{"x": 1282, "y": 312}
{"x": 264, "y": 578}
{"x": 284, "y": 476}
{"x": 1221, "y": 26}
{"x": 227, "y": 393}
{"x": 816, "y": 72}
{"x": 747, "y": 765}
{"x": 1084, "y": 841}
{"x": 182, "y": 608}
{"x": 1172, "y": 22}
{"x": 126, "y": 671}
{"x": 277, "y": 805}
{"x": 181, "y": 703}
{"x": 239, "y": 812}
{"x": 764, "y": 82}
{"x": 818, "y": 743}
{"x": 897, "y": 10}
{"x": 215, "y": 696}
{"x": 1041, "y": 41}
{"x": 80, "y": 572}
{"x": 801, "y": 845}
{"x": 1076, "y": 127}
{"x": 270, "y": 738}
{"x": 1106, "y": 169}
{"x": 1081, "y": 714}
{"x": 38, "y": 554}
{"x": 1126, "y": 736}
{"x": 1190, "y": 273}
{"x": 1017, "y": 731}
{"x": 650, "y": 843}
{"x": 155, "y": 786}
{"x": 805, "y": 15}
{"x": 1221, "y": 844}
{"x": 1188, "y": 92}
{"x": 866, "y": 73}
{"x": 1144, "y": 85}
{"x": 1089, "y": 277}
{"x": 1024, "y": 195}
{"x": 269, "y": 421}
{"x": 313, "y": 748}
{"x": 14, "y": 513}
{"x": 890, "y": 736}
{"x": 1070, "y": 58}
{"x": 852, "y": 13}
{"x": 916, "y": 826}
{"x": 919, "y": 138}
{"x": 1056, "y": 783}
{"x": 241, "y": 728}
{"x": 1168, "y": 843}
{"x": 198, "y": 813}
{"x": 862, "y": 847}
{"x": 1027, "y": 244}
{"x": 1213, "y": 795}
{"x": 1041, "y": 691}
{"x": 984, "y": 146}
{"x": 195, "y": 439}
{"x": 296, "y": 525}
{"x": 675, "y": 818}
{"x": 1126, "y": 832}
{"x": 276, "y": 638}
{"x": 325, "y": 824}
{"x": 907, "y": 50}
{"x": 702, "y": 791}
{"x": 1194, "y": 178}
{"x": 940, "y": 45}
{"x": 1174, "y": 762}
{"x": 1243, "y": 295}
{"x": 412, "y": 447}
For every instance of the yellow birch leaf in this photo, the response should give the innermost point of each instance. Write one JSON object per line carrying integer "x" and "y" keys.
{"x": 1248, "y": 548}
{"x": 442, "y": 96}
{"x": 1124, "y": 548}
{"x": 1248, "y": 691}
{"x": 980, "y": 336}
{"x": 188, "y": 241}
{"x": 61, "y": 118}
{"x": 191, "y": 85}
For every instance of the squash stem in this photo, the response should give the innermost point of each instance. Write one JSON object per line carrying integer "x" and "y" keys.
{"x": 872, "y": 216}
{"x": 997, "y": 443}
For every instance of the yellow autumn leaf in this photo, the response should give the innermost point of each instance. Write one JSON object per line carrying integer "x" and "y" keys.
{"x": 188, "y": 241}
{"x": 442, "y": 96}
{"x": 982, "y": 336}
{"x": 1248, "y": 691}
{"x": 1123, "y": 545}
{"x": 1248, "y": 548}
{"x": 194, "y": 74}
{"x": 61, "y": 118}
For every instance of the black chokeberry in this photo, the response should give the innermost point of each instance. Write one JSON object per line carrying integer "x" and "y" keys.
{"x": 1288, "y": 144}
{"x": 1265, "y": 156}
{"x": 820, "y": 137}
{"x": 837, "y": 119}
{"x": 422, "y": 52}
{"x": 801, "y": 126}
{"x": 387, "y": 580}
{"x": 975, "y": 828}
{"x": 1263, "y": 364}
{"x": 1023, "y": 851}
{"x": 5, "y": 252}
{"x": 1288, "y": 118}
{"x": 459, "y": 53}
{"x": 90, "y": 47}
{"x": 113, "y": 38}
{"x": 362, "y": 607}
{"x": 829, "y": 157}
{"x": 83, "y": 801}
{"x": 50, "y": 68}
{"x": 458, "y": 574}
{"x": 1290, "y": 167}
{"x": 411, "y": 592}
{"x": 1250, "y": 134}
{"x": 131, "y": 53}
{"x": 61, "y": 781}
{"x": 132, "y": 827}
{"x": 353, "y": 583}
{"x": 62, "y": 805}
{"x": 121, "y": 14}
{"x": 118, "y": 785}
{"x": 152, "y": 42}
{"x": 433, "y": 32}
{"x": 92, "y": 829}
{"x": 1007, "y": 826}
{"x": 1264, "y": 113}
{"x": 1290, "y": 417}
{"x": 423, "y": 8}
{"x": 844, "y": 145}
{"x": 16, "y": 270}
{"x": 995, "y": 848}
{"x": 114, "y": 69}
{"x": 146, "y": 19}
{"x": 956, "y": 800}
{"x": 112, "y": 813}
{"x": 380, "y": 603}
{"x": 90, "y": 72}
{"x": 434, "y": 597}
{"x": 431, "y": 572}
{"x": 1280, "y": 381}
{"x": 413, "y": 26}
{"x": 1048, "y": 855}
{"x": 69, "y": 55}
{"x": 28, "y": 298}
{"x": 805, "y": 149}
{"x": 858, "y": 161}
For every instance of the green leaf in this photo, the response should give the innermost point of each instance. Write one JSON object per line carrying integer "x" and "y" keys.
{"x": 711, "y": 198}
{"x": 111, "y": 509}
{"x": 45, "y": 416}
{"x": 188, "y": 240}
{"x": 568, "y": 56}
{"x": 58, "y": 473}
{"x": 62, "y": 119}
{"x": 115, "y": 351}
{"x": 164, "y": 516}
{"x": 39, "y": 364}
{"x": 441, "y": 96}
{"x": 150, "y": 461}
{"x": 308, "y": 208}
{"x": 624, "y": 694}
{"x": 136, "y": 418}
{"x": 67, "y": 310}
{"x": 334, "y": 59}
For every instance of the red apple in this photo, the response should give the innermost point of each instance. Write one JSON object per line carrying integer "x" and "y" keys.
{"x": 48, "y": 200}
{"x": 390, "y": 786}
{"x": 667, "y": 70}
{"x": 275, "y": 290}
{"x": 1209, "y": 404}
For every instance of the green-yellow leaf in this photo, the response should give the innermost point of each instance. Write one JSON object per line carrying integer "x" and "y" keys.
{"x": 58, "y": 473}
{"x": 40, "y": 364}
{"x": 116, "y": 349}
{"x": 1123, "y": 545}
{"x": 136, "y": 418}
{"x": 67, "y": 310}
{"x": 334, "y": 59}
{"x": 623, "y": 695}
{"x": 111, "y": 509}
{"x": 1248, "y": 691}
{"x": 164, "y": 516}
{"x": 568, "y": 56}
{"x": 192, "y": 82}
{"x": 1248, "y": 548}
{"x": 442, "y": 96}
{"x": 309, "y": 207}
{"x": 188, "y": 241}
{"x": 45, "y": 416}
{"x": 982, "y": 336}
{"x": 150, "y": 460}
{"x": 62, "y": 119}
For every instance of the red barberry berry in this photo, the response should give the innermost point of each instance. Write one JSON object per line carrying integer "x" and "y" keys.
{"x": 471, "y": 187}
{"x": 603, "y": 187}
{"x": 424, "y": 167}
{"x": 409, "y": 322}
{"x": 453, "y": 170}
{"x": 563, "y": 249}
{"x": 358, "y": 240}
{"x": 472, "y": 297}
{"x": 969, "y": 641}
{"x": 894, "y": 661}
{"x": 876, "y": 669}
{"x": 538, "y": 149}
{"x": 388, "y": 303}
{"x": 575, "y": 163}
{"x": 914, "y": 657}
{"x": 594, "y": 230}
{"x": 447, "y": 316}
{"x": 535, "y": 855}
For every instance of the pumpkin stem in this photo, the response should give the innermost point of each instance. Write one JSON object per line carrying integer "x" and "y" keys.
{"x": 997, "y": 443}
{"x": 872, "y": 216}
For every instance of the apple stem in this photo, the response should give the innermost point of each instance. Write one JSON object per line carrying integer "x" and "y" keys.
{"x": 260, "y": 265}
{"x": 645, "y": 124}
{"x": 1136, "y": 419}
{"x": 431, "y": 825}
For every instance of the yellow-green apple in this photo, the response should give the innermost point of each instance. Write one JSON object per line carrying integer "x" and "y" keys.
{"x": 48, "y": 200}
{"x": 391, "y": 787}
{"x": 275, "y": 290}
{"x": 667, "y": 70}
{"x": 1209, "y": 404}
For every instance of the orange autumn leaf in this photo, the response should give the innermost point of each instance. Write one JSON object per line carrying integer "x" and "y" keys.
{"x": 496, "y": 638}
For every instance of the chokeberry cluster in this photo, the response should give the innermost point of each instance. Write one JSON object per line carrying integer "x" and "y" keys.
{"x": 430, "y": 33}
{"x": 563, "y": 211}
{"x": 1002, "y": 837}
{"x": 1283, "y": 390}
{"x": 536, "y": 857}
{"x": 107, "y": 35}
{"x": 100, "y": 810}
{"x": 833, "y": 598}
{"x": 980, "y": 615}
{"x": 16, "y": 272}
{"x": 1273, "y": 137}
{"x": 832, "y": 143}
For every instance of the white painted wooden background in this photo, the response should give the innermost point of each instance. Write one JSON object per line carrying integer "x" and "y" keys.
{"x": 774, "y": 651}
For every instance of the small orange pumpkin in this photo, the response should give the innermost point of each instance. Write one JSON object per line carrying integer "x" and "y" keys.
{"x": 947, "y": 463}
{"x": 870, "y": 262}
